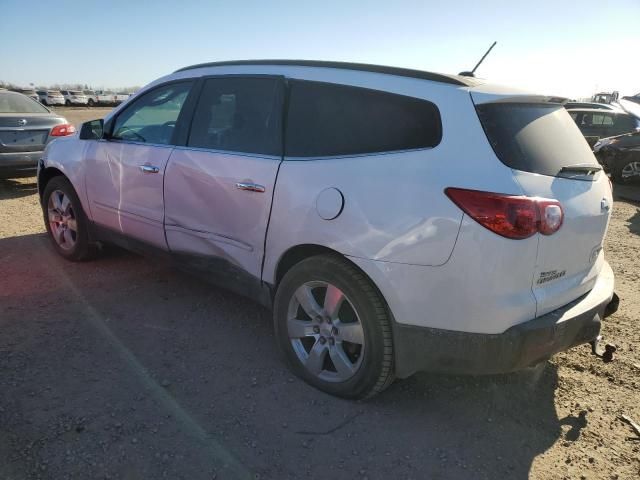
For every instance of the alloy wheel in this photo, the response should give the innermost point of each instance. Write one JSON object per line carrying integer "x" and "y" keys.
{"x": 62, "y": 220}
{"x": 325, "y": 331}
{"x": 631, "y": 169}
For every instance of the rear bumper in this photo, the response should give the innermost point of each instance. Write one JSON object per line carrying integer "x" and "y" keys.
{"x": 19, "y": 164}
{"x": 521, "y": 346}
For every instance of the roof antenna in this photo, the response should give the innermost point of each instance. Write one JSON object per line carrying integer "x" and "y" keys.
{"x": 472, "y": 72}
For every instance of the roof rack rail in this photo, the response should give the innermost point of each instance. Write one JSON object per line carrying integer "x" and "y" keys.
{"x": 402, "y": 72}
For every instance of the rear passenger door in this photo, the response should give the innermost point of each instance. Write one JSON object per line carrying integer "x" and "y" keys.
{"x": 219, "y": 184}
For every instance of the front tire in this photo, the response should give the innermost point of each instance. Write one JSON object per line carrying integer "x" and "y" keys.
{"x": 333, "y": 327}
{"x": 65, "y": 220}
{"x": 90, "y": 102}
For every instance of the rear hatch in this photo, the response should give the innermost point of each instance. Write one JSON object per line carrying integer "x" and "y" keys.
{"x": 550, "y": 158}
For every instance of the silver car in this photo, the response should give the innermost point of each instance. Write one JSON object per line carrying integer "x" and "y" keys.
{"x": 25, "y": 128}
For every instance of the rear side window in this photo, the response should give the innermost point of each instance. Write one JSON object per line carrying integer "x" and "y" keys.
{"x": 331, "y": 120}
{"x": 239, "y": 115}
{"x": 536, "y": 138}
{"x": 16, "y": 103}
{"x": 625, "y": 123}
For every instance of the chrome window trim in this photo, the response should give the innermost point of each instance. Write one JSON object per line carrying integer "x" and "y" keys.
{"x": 229, "y": 152}
{"x": 357, "y": 155}
{"x": 130, "y": 142}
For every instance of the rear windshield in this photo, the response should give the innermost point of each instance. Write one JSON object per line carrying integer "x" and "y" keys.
{"x": 17, "y": 103}
{"x": 536, "y": 138}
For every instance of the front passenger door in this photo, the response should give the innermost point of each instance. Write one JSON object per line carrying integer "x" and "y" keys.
{"x": 125, "y": 174}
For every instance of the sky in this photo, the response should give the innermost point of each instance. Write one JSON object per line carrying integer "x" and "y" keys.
{"x": 556, "y": 47}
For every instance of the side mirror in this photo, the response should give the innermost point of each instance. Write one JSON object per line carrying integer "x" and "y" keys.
{"x": 92, "y": 130}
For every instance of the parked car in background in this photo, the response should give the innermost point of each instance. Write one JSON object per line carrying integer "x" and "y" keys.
{"x": 104, "y": 97}
{"x": 473, "y": 244}
{"x": 74, "y": 97}
{"x": 620, "y": 155}
{"x": 29, "y": 92}
{"x": 598, "y": 106}
{"x": 597, "y": 123}
{"x": 26, "y": 127}
{"x": 605, "y": 97}
{"x": 50, "y": 97}
{"x": 92, "y": 100}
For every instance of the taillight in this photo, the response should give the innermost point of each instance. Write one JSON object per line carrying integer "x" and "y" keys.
{"x": 551, "y": 216}
{"x": 63, "y": 130}
{"x": 511, "y": 216}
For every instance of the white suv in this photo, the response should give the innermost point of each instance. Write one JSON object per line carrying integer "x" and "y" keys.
{"x": 74, "y": 97}
{"x": 396, "y": 220}
{"x": 50, "y": 97}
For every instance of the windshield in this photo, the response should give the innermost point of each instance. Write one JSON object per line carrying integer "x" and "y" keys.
{"x": 537, "y": 138}
{"x": 17, "y": 103}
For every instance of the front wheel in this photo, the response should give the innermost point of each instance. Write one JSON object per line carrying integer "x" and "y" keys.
{"x": 334, "y": 328}
{"x": 91, "y": 103}
{"x": 65, "y": 220}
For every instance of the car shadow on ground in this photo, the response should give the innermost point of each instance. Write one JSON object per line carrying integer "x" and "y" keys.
{"x": 630, "y": 194}
{"x": 634, "y": 223}
{"x": 124, "y": 367}
{"x": 16, "y": 189}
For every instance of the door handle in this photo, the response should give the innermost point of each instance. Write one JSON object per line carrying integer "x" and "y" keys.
{"x": 148, "y": 169}
{"x": 250, "y": 187}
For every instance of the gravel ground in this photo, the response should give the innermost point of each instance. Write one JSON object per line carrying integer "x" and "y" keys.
{"x": 79, "y": 115}
{"x": 122, "y": 368}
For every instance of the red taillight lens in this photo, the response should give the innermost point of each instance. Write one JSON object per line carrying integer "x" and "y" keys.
{"x": 511, "y": 216}
{"x": 63, "y": 130}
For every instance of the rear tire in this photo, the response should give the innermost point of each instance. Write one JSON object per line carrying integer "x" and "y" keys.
{"x": 66, "y": 221}
{"x": 344, "y": 347}
{"x": 67, "y": 103}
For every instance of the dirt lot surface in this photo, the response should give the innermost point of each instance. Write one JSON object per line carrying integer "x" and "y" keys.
{"x": 79, "y": 115}
{"x": 121, "y": 368}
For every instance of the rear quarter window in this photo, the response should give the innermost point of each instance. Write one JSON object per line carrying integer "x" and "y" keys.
{"x": 335, "y": 120}
{"x": 537, "y": 138}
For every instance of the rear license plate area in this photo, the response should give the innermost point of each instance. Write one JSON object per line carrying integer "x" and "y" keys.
{"x": 23, "y": 137}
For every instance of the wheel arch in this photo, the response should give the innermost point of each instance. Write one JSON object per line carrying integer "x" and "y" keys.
{"x": 45, "y": 176}
{"x": 297, "y": 253}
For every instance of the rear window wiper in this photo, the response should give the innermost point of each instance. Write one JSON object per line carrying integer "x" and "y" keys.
{"x": 582, "y": 168}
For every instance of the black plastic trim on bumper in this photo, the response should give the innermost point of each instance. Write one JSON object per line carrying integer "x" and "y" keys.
{"x": 447, "y": 351}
